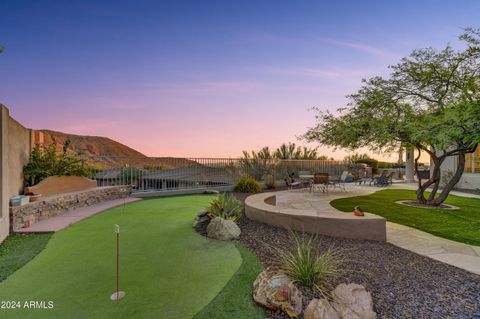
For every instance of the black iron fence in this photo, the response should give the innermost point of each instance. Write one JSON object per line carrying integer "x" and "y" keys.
{"x": 161, "y": 173}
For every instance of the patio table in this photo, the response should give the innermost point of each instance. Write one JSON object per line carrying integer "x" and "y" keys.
{"x": 309, "y": 179}
{"x": 305, "y": 176}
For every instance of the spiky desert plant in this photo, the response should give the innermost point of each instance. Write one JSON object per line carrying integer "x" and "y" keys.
{"x": 225, "y": 206}
{"x": 309, "y": 267}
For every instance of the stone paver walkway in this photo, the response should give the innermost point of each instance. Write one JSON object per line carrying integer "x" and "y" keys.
{"x": 63, "y": 221}
{"x": 450, "y": 252}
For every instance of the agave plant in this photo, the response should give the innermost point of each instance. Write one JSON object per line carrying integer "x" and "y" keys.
{"x": 225, "y": 206}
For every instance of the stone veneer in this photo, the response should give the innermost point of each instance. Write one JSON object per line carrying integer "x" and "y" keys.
{"x": 26, "y": 215}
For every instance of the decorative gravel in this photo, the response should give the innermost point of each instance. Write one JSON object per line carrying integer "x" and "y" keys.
{"x": 402, "y": 283}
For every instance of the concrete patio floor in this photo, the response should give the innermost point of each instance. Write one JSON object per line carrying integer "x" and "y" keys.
{"x": 450, "y": 252}
{"x": 63, "y": 221}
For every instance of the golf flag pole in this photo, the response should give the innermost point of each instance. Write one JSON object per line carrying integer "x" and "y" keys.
{"x": 118, "y": 294}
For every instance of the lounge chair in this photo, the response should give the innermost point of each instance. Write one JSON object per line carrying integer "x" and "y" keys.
{"x": 384, "y": 180}
{"x": 375, "y": 179}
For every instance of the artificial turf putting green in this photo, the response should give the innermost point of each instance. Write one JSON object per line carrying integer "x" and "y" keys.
{"x": 462, "y": 225}
{"x": 235, "y": 300}
{"x": 167, "y": 269}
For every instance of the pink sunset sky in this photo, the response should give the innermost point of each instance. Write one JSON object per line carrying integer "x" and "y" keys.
{"x": 204, "y": 79}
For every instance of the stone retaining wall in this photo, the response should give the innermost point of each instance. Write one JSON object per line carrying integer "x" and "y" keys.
{"x": 26, "y": 215}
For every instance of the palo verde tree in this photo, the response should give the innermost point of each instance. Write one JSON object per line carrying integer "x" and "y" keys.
{"x": 430, "y": 102}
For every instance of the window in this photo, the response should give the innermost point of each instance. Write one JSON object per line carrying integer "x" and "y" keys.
{"x": 472, "y": 164}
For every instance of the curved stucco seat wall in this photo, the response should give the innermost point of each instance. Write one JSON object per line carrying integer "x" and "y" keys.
{"x": 370, "y": 227}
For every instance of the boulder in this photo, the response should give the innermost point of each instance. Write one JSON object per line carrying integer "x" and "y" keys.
{"x": 276, "y": 291}
{"x": 211, "y": 191}
{"x": 353, "y": 301}
{"x": 222, "y": 229}
{"x": 201, "y": 220}
{"x": 320, "y": 309}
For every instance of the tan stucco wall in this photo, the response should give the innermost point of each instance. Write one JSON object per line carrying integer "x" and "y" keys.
{"x": 15, "y": 147}
{"x": 468, "y": 180}
{"x": 259, "y": 207}
{"x": 18, "y": 155}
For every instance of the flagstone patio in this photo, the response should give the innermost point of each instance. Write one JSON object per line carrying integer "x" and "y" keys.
{"x": 454, "y": 253}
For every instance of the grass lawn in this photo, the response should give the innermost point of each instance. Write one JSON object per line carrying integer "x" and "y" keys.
{"x": 17, "y": 250}
{"x": 461, "y": 225}
{"x": 167, "y": 269}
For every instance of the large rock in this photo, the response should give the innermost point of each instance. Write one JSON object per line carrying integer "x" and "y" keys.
{"x": 201, "y": 220}
{"x": 320, "y": 309}
{"x": 222, "y": 229}
{"x": 353, "y": 301}
{"x": 274, "y": 290}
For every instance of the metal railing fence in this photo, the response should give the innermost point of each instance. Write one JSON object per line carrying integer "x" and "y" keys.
{"x": 161, "y": 173}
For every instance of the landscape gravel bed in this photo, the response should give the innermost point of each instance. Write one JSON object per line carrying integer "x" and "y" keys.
{"x": 402, "y": 283}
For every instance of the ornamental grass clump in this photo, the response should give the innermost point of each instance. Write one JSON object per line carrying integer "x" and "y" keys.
{"x": 225, "y": 206}
{"x": 247, "y": 185}
{"x": 309, "y": 267}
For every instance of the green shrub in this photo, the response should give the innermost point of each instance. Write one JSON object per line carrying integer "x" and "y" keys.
{"x": 45, "y": 162}
{"x": 270, "y": 181}
{"x": 307, "y": 266}
{"x": 247, "y": 185}
{"x": 386, "y": 165}
{"x": 225, "y": 206}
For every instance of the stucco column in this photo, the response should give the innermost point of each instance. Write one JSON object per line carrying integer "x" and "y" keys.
{"x": 409, "y": 167}
{"x": 4, "y": 200}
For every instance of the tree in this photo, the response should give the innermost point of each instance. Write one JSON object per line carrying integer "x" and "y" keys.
{"x": 2, "y": 49}
{"x": 430, "y": 102}
{"x": 357, "y": 158}
{"x": 265, "y": 161}
{"x": 291, "y": 151}
{"x": 45, "y": 162}
{"x": 284, "y": 152}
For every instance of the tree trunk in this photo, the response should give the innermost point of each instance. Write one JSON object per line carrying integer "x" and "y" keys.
{"x": 451, "y": 183}
{"x": 434, "y": 179}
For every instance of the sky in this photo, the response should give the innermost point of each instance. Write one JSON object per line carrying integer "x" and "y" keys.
{"x": 205, "y": 78}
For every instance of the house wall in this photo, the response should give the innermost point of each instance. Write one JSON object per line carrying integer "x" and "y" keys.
{"x": 468, "y": 180}
{"x": 15, "y": 148}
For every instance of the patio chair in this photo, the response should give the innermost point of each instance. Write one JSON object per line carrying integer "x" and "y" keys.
{"x": 385, "y": 180}
{"x": 290, "y": 182}
{"x": 320, "y": 181}
{"x": 374, "y": 180}
{"x": 340, "y": 182}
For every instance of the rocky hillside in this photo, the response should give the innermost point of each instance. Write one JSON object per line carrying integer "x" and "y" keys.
{"x": 113, "y": 153}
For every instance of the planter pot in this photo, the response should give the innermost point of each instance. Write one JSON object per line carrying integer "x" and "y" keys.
{"x": 19, "y": 200}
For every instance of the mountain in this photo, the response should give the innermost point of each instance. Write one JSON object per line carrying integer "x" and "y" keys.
{"x": 107, "y": 153}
